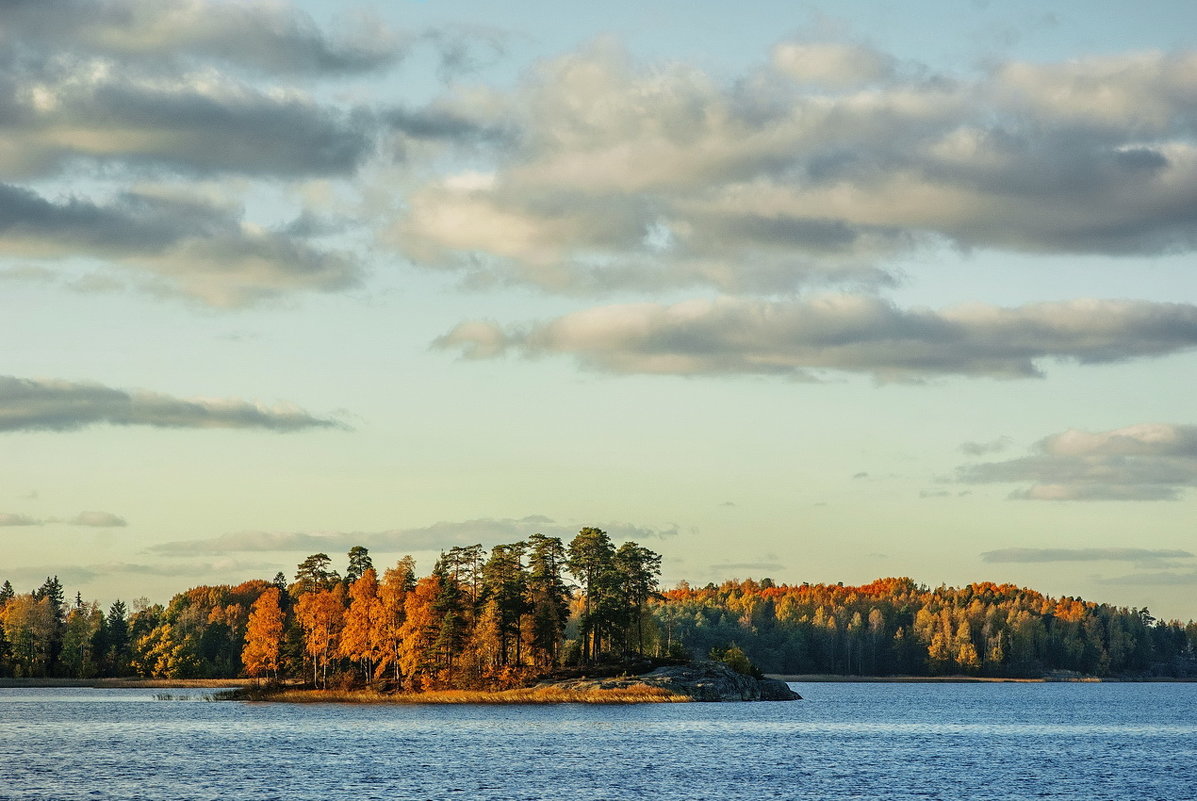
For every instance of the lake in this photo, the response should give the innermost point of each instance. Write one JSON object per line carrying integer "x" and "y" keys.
{"x": 1123, "y": 742}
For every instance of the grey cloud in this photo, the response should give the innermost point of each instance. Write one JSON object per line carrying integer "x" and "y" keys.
{"x": 840, "y": 333}
{"x": 71, "y": 575}
{"x": 270, "y": 37}
{"x": 438, "y": 536}
{"x": 1145, "y": 462}
{"x": 191, "y": 246}
{"x": 1155, "y": 579}
{"x": 212, "y": 126}
{"x": 11, "y": 519}
{"x": 764, "y": 567}
{"x": 1038, "y": 555}
{"x": 45, "y": 405}
{"x": 98, "y": 520}
{"x": 617, "y": 175}
{"x": 984, "y": 448}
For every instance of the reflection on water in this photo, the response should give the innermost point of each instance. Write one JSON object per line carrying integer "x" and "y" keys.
{"x": 868, "y": 741}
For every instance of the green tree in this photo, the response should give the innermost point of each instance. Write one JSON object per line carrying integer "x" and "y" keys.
{"x": 637, "y": 569}
{"x": 548, "y": 597}
{"x": 313, "y": 574}
{"x": 590, "y": 560}
{"x": 505, "y": 586}
{"x": 359, "y": 563}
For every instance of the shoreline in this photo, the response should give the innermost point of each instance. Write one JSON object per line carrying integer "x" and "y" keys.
{"x": 829, "y": 678}
{"x": 132, "y": 683}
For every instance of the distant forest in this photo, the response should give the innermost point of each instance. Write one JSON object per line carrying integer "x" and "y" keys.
{"x": 499, "y": 619}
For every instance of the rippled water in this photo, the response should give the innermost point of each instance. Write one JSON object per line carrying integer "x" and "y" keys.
{"x": 1124, "y": 742}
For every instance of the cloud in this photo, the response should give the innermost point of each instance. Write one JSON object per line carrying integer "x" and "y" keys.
{"x": 1156, "y": 579}
{"x": 860, "y": 334}
{"x": 831, "y": 64}
{"x": 72, "y": 575}
{"x": 189, "y": 245}
{"x": 1041, "y": 555}
{"x": 98, "y": 520}
{"x": 984, "y": 448}
{"x": 10, "y": 519}
{"x": 271, "y": 37}
{"x": 762, "y": 567}
{"x": 438, "y": 536}
{"x": 47, "y": 405}
{"x": 1144, "y": 462}
{"x": 815, "y": 168}
{"x": 205, "y": 124}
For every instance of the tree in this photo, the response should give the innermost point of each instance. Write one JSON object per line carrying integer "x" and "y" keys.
{"x": 590, "y": 561}
{"x": 359, "y": 563}
{"x": 51, "y": 590}
{"x": 505, "y": 585}
{"x": 264, "y": 635}
{"x": 116, "y": 634}
{"x": 321, "y": 613}
{"x": 548, "y": 597}
{"x": 637, "y": 569}
{"x": 418, "y": 634}
{"x": 397, "y": 583}
{"x": 29, "y": 625}
{"x": 359, "y": 642}
{"x": 314, "y": 573}
{"x": 84, "y": 621}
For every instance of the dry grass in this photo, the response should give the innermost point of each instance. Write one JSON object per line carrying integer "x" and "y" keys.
{"x": 636, "y": 694}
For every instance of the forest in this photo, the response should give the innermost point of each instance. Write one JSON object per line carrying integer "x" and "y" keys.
{"x": 500, "y": 619}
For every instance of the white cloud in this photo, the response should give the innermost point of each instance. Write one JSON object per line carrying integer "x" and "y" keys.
{"x": 763, "y": 185}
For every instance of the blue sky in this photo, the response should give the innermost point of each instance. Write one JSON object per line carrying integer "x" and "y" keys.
{"x": 823, "y": 292}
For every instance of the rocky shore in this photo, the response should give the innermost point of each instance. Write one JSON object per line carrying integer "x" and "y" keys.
{"x": 699, "y": 681}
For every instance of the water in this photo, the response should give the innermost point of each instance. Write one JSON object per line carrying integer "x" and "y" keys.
{"x": 1123, "y": 742}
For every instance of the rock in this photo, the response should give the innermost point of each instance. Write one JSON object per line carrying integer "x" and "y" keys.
{"x": 702, "y": 681}
{"x": 777, "y": 690}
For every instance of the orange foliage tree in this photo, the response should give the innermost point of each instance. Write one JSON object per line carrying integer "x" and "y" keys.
{"x": 321, "y": 614}
{"x": 358, "y": 639}
{"x": 264, "y": 635}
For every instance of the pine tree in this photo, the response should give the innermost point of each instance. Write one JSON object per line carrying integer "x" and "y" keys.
{"x": 590, "y": 561}
{"x": 548, "y": 597}
{"x": 359, "y": 563}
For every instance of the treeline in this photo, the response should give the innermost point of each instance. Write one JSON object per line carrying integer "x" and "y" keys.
{"x": 897, "y": 627}
{"x": 499, "y": 618}
{"x": 478, "y": 620}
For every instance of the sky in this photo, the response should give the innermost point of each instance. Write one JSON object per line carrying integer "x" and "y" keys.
{"x": 814, "y": 291}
